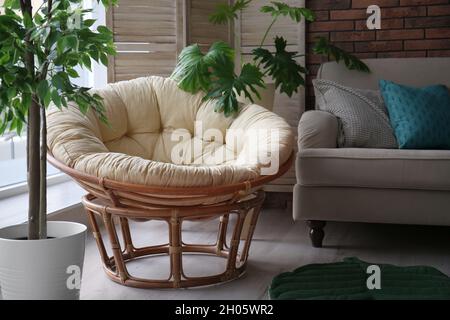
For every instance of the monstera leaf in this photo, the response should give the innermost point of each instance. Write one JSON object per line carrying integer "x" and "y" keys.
{"x": 323, "y": 47}
{"x": 281, "y": 66}
{"x": 282, "y": 9}
{"x": 225, "y": 12}
{"x": 193, "y": 72}
{"x": 227, "y": 86}
{"x": 348, "y": 280}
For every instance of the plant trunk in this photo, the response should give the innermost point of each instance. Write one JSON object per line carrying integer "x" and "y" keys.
{"x": 34, "y": 172}
{"x": 43, "y": 176}
{"x": 34, "y": 141}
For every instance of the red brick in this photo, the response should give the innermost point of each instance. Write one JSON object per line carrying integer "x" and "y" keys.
{"x": 311, "y": 36}
{"x": 400, "y": 34}
{"x": 402, "y": 54}
{"x": 379, "y": 46}
{"x": 353, "y": 36}
{"x": 328, "y": 4}
{"x": 365, "y": 55}
{"x": 439, "y": 10}
{"x": 421, "y": 2}
{"x": 331, "y": 25}
{"x": 347, "y": 46}
{"x": 385, "y": 24}
{"x": 322, "y": 15}
{"x": 438, "y": 53}
{"x": 437, "y": 33}
{"x": 401, "y": 12}
{"x": 415, "y": 54}
{"x": 381, "y": 3}
{"x": 348, "y": 14}
{"x": 427, "y": 22}
{"x": 427, "y": 44}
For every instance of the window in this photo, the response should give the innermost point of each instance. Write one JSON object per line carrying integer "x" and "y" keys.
{"x": 13, "y": 160}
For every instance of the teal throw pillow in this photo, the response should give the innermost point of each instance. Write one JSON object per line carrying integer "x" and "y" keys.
{"x": 420, "y": 116}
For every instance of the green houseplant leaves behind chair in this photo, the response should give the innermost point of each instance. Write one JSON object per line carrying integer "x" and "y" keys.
{"x": 214, "y": 72}
{"x": 40, "y": 49}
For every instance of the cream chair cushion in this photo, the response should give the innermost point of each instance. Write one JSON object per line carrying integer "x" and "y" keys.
{"x": 136, "y": 145}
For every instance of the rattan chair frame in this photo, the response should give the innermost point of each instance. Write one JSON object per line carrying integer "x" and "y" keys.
{"x": 116, "y": 203}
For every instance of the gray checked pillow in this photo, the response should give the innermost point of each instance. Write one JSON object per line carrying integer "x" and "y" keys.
{"x": 362, "y": 115}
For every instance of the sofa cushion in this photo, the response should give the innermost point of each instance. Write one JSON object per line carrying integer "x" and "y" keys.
{"x": 420, "y": 116}
{"x": 375, "y": 168}
{"x": 362, "y": 114}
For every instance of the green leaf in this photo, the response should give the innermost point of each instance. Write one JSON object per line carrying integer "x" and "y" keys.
{"x": 42, "y": 90}
{"x": 26, "y": 87}
{"x": 66, "y": 43}
{"x": 26, "y": 101}
{"x": 4, "y": 57}
{"x": 217, "y": 50}
{"x": 89, "y": 22}
{"x": 108, "y": 3}
{"x": 9, "y": 78}
{"x": 191, "y": 71}
{"x": 282, "y": 9}
{"x": 193, "y": 68}
{"x": 86, "y": 59}
{"x": 12, "y": 4}
{"x": 225, "y": 12}
{"x": 56, "y": 98}
{"x": 104, "y": 59}
{"x": 227, "y": 85}
{"x": 282, "y": 67}
{"x": 27, "y": 21}
{"x": 104, "y": 30}
{"x": 323, "y": 47}
{"x": 11, "y": 93}
{"x": 72, "y": 73}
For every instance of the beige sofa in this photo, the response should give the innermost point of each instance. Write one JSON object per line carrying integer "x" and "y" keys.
{"x": 370, "y": 185}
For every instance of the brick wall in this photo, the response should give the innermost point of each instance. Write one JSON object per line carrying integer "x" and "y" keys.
{"x": 409, "y": 28}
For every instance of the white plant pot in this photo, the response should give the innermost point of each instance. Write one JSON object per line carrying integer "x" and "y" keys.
{"x": 267, "y": 97}
{"x": 48, "y": 269}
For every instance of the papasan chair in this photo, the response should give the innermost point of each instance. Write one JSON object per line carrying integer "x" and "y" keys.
{"x": 166, "y": 155}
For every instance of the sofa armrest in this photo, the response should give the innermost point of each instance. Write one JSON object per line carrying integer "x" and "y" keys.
{"x": 317, "y": 129}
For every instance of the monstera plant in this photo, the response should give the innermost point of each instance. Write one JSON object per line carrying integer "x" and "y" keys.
{"x": 214, "y": 73}
{"x": 41, "y": 48}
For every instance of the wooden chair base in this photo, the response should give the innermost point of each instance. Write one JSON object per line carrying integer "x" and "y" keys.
{"x": 235, "y": 251}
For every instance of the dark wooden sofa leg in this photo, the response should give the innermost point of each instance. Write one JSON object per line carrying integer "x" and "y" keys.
{"x": 316, "y": 232}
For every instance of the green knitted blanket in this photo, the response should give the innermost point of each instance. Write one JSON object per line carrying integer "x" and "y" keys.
{"x": 348, "y": 280}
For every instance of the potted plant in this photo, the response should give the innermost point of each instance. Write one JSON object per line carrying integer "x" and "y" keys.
{"x": 214, "y": 72}
{"x": 40, "y": 49}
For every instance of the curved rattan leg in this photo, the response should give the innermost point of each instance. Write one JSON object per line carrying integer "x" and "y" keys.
{"x": 249, "y": 237}
{"x": 121, "y": 269}
{"x": 98, "y": 238}
{"x": 222, "y": 234}
{"x": 126, "y": 235}
{"x": 234, "y": 244}
{"x": 175, "y": 249}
